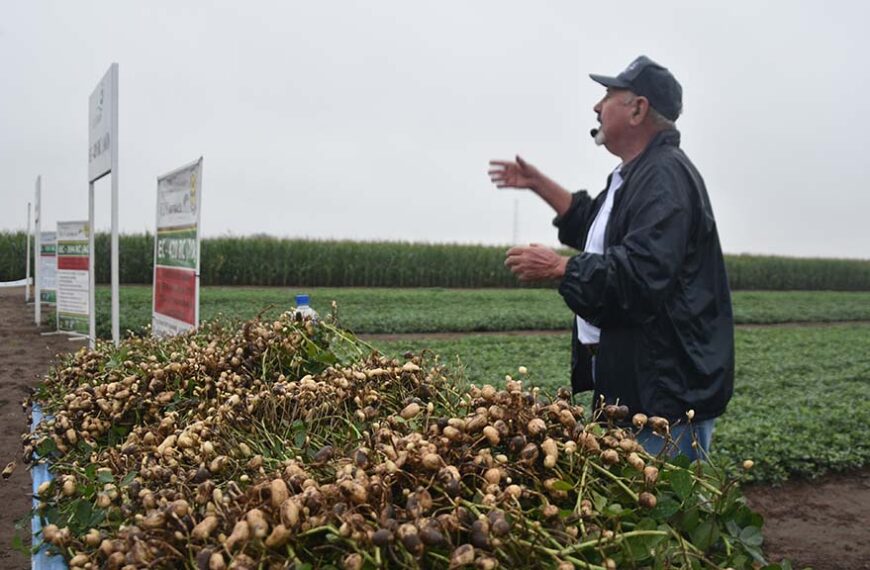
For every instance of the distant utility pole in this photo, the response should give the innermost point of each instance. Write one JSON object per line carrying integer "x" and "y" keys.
{"x": 516, "y": 239}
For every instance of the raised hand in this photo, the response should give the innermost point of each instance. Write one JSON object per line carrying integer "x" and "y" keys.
{"x": 518, "y": 174}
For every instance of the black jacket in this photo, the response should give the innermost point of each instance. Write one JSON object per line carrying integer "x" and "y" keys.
{"x": 659, "y": 292}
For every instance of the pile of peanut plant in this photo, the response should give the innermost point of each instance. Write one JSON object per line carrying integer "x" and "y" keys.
{"x": 291, "y": 444}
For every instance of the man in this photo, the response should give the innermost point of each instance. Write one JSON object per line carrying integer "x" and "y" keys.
{"x": 654, "y": 328}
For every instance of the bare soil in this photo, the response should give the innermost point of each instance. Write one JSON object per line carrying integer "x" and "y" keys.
{"x": 822, "y": 523}
{"x": 24, "y": 355}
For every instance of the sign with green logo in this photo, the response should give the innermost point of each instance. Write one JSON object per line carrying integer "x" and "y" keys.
{"x": 72, "y": 279}
{"x": 176, "y": 251}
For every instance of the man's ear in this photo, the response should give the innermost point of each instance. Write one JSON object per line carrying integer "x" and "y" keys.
{"x": 641, "y": 110}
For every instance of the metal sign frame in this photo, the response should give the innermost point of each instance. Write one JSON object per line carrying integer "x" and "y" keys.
{"x": 103, "y": 106}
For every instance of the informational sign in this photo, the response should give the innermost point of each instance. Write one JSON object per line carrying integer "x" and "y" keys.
{"x": 176, "y": 251}
{"x": 102, "y": 112}
{"x": 73, "y": 283}
{"x": 48, "y": 267}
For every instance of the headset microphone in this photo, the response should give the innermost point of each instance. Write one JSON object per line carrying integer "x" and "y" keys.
{"x": 593, "y": 133}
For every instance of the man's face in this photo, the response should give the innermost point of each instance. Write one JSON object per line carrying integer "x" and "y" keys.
{"x": 614, "y": 112}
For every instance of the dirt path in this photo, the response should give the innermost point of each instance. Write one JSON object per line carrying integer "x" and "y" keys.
{"x": 24, "y": 355}
{"x": 821, "y": 523}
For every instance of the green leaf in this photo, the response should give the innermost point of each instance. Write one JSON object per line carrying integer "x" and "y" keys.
{"x": 88, "y": 490}
{"x": 682, "y": 483}
{"x": 299, "y": 439}
{"x": 751, "y": 536}
{"x": 665, "y": 509}
{"x": 128, "y": 478}
{"x": 598, "y": 501}
{"x": 646, "y": 524}
{"x": 83, "y": 512}
{"x": 706, "y": 534}
{"x": 97, "y": 517}
{"x": 733, "y": 528}
{"x": 614, "y": 509}
{"x": 756, "y": 554}
{"x": 596, "y": 429}
{"x": 46, "y": 447}
{"x": 563, "y": 486}
{"x": 105, "y": 477}
{"x": 85, "y": 448}
{"x": 747, "y": 517}
{"x": 681, "y": 461}
{"x": 690, "y": 520}
{"x": 638, "y": 549}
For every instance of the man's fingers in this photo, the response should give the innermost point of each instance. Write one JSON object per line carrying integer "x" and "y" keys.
{"x": 515, "y": 264}
{"x": 517, "y": 250}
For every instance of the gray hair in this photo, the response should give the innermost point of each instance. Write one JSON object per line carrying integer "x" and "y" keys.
{"x": 658, "y": 120}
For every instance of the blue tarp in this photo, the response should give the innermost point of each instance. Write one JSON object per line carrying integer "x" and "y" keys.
{"x": 40, "y": 473}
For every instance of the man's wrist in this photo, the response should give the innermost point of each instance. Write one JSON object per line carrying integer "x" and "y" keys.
{"x": 560, "y": 268}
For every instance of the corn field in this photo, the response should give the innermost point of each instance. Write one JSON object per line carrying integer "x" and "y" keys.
{"x": 267, "y": 261}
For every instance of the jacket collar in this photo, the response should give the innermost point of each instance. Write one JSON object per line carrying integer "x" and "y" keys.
{"x": 670, "y": 137}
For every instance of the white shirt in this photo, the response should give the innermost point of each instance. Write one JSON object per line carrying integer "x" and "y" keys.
{"x": 586, "y": 333}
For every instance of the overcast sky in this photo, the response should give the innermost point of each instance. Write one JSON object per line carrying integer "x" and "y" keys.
{"x": 375, "y": 120}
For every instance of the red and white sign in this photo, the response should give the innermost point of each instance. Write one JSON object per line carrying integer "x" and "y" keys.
{"x": 176, "y": 251}
{"x": 73, "y": 282}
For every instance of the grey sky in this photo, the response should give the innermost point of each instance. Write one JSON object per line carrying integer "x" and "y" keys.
{"x": 375, "y": 120}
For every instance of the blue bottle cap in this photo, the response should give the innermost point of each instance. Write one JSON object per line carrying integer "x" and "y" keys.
{"x": 301, "y": 299}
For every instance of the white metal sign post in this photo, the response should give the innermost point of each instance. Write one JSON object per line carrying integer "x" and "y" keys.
{"x": 73, "y": 278}
{"x": 176, "y": 251}
{"x": 37, "y": 303}
{"x": 102, "y": 160}
{"x": 27, "y": 260}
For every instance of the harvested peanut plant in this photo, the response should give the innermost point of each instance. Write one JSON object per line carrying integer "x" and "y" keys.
{"x": 291, "y": 444}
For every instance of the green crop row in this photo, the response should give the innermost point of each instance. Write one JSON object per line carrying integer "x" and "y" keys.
{"x": 266, "y": 261}
{"x": 426, "y": 310}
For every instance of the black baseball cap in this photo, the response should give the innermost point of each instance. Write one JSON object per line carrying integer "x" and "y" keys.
{"x": 647, "y": 78}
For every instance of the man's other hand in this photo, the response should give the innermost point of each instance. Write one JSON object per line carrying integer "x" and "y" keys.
{"x": 535, "y": 263}
{"x": 519, "y": 174}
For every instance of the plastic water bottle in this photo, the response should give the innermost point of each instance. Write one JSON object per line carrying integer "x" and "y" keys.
{"x": 303, "y": 309}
